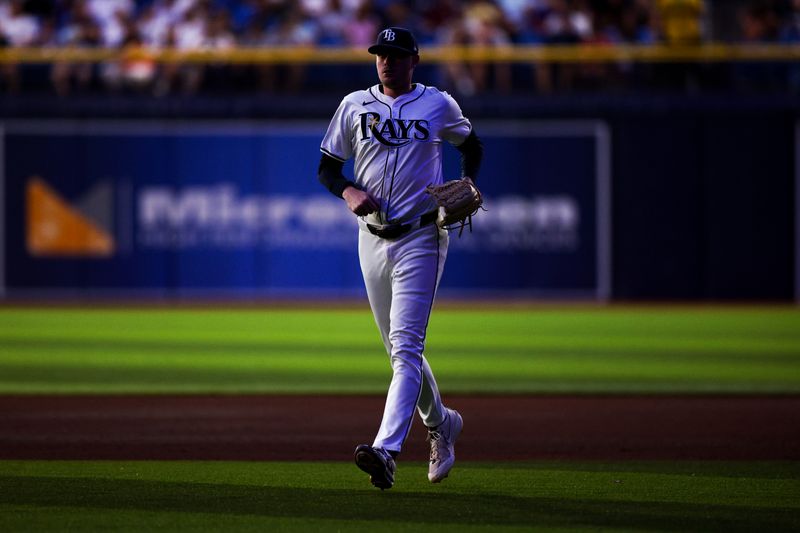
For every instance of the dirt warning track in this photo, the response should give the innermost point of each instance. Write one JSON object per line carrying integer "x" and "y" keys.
{"x": 506, "y": 428}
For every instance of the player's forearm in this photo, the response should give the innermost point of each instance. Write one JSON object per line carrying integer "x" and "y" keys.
{"x": 471, "y": 156}
{"x": 330, "y": 175}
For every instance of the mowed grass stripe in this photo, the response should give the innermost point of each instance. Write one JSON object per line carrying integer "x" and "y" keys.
{"x": 582, "y": 349}
{"x": 247, "y": 496}
{"x": 521, "y": 344}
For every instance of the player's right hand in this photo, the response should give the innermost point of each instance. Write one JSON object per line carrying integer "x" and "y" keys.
{"x": 360, "y": 202}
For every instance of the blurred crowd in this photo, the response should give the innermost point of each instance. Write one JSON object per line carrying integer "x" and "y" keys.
{"x": 226, "y": 24}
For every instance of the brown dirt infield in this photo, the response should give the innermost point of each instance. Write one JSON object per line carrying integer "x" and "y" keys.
{"x": 328, "y": 427}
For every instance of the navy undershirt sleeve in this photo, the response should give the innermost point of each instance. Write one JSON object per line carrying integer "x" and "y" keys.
{"x": 471, "y": 155}
{"x": 330, "y": 175}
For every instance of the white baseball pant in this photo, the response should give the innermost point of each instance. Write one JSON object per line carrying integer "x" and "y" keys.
{"x": 401, "y": 277}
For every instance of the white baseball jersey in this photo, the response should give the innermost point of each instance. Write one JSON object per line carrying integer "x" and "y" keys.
{"x": 397, "y": 144}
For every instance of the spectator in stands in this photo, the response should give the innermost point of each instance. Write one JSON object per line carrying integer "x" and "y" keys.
{"x": 178, "y": 9}
{"x": 481, "y": 24}
{"x": 565, "y": 23}
{"x": 400, "y": 15}
{"x": 190, "y": 33}
{"x": 221, "y": 38}
{"x": 168, "y": 12}
{"x": 683, "y": 21}
{"x": 488, "y": 27}
{"x": 103, "y": 11}
{"x": 191, "y": 30}
{"x": 360, "y": 29}
{"x": 790, "y": 27}
{"x": 456, "y": 74}
{"x": 331, "y": 24}
{"x": 79, "y": 31}
{"x": 137, "y": 69}
{"x": 117, "y": 31}
{"x": 789, "y": 33}
{"x": 17, "y": 29}
{"x": 113, "y": 17}
{"x": 759, "y": 25}
{"x": 242, "y": 12}
{"x": 517, "y": 14}
{"x": 637, "y": 26}
{"x": 220, "y": 31}
{"x": 626, "y": 22}
{"x": 294, "y": 29}
{"x": 153, "y": 25}
{"x": 436, "y": 19}
{"x": 559, "y": 22}
{"x": 141, "y": 25}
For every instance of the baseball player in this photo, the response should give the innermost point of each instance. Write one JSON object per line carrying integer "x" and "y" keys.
{"x": 395, "y": 130}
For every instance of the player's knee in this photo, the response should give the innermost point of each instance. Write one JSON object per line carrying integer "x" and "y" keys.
{"x": 407, "y": 344}
{"x": 406, "y": 355}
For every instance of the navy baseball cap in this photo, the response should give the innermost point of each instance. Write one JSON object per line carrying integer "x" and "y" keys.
{"x": 395, "y": 40}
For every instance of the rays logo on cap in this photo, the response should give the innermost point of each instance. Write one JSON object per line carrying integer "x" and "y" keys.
{"x": 395, "y": 40}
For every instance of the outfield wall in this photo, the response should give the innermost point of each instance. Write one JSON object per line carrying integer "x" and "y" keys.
{"x": 703, "y": 195}
{"x": 231, "y": 208}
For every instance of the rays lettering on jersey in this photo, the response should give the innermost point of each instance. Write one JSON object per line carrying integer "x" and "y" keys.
{"x": 394, "y": 131}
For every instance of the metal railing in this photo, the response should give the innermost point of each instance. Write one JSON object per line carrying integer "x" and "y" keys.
{"x": 661, "y": 53}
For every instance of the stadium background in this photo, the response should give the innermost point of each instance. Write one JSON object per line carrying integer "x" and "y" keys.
{"x": 687, "y": 192}
{"x": 179, "y": 292}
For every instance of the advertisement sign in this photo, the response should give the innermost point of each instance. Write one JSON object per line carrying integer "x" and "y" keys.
{"x": 168, "y": 208}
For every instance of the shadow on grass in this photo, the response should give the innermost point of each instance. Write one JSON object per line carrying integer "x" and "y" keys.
{"x": 752, "y": 470}
{"x": 441, "y": 508}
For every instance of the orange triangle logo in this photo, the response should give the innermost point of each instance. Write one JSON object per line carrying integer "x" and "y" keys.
{"x": 54, "y": 228}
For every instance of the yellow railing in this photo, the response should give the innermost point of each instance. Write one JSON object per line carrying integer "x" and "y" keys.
{"x": 433, "y": 54}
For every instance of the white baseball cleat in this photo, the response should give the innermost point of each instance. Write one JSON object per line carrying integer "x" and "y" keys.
{"x": 442, "y": 439}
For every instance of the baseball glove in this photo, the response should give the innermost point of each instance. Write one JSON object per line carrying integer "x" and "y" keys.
{"x": 458, "y": 200}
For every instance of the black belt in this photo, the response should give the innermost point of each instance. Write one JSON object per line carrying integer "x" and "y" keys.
{"x": 393, "y": 231}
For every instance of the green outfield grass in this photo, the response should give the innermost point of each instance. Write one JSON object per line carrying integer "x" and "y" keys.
{"x": 232, "y": 497}
{"x": 519, "y": 350}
